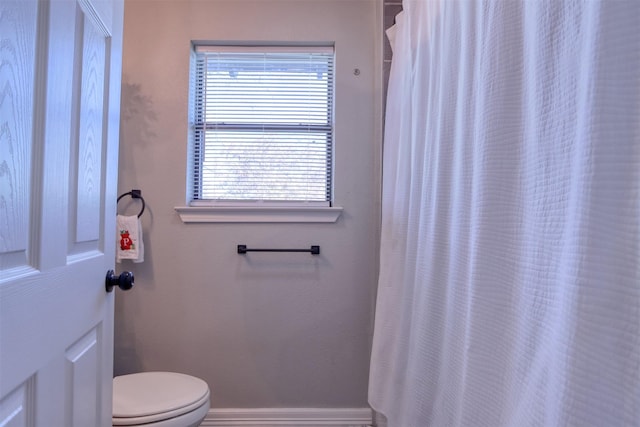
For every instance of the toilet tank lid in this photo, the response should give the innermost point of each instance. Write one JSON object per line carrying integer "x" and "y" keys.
{"x": 150, "y": 393}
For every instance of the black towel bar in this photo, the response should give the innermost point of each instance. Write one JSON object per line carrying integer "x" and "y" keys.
{"x": 313, "y": 250}
{"x": 135, "y": 194}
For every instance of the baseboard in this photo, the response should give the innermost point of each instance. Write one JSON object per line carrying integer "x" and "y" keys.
{"x": 276, "y": 417}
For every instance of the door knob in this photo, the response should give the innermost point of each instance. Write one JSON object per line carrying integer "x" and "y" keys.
{"x": 124, "y": 281}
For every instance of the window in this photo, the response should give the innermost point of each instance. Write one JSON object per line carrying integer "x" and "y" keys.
{"x": 261, "y": 125}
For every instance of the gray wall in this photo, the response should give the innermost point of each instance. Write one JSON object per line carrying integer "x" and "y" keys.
{"x": 264, "y": 330}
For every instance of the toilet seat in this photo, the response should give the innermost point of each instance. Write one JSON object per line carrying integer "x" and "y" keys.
{"x": 149, "y": 397}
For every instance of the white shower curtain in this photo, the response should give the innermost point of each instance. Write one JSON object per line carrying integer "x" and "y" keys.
{"x": 509, "y": 290}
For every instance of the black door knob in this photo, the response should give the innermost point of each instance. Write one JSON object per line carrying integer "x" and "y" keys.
{"x": 124, "y": 281}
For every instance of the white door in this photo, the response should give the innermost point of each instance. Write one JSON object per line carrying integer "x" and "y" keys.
{"x": 60, "y": 64}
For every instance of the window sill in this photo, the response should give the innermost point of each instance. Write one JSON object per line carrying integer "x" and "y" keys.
{"x": 189, "y": 214}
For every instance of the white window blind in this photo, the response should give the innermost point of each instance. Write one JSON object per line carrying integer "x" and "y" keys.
{"x": 262, "y": 125}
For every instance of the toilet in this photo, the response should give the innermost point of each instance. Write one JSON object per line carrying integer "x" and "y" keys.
{"x": 159, "y": 399}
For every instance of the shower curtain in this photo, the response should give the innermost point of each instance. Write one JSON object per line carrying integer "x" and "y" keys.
{"x": 509, "y": 288}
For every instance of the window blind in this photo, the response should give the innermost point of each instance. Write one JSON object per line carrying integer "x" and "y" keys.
{"x": 263, "y": 123}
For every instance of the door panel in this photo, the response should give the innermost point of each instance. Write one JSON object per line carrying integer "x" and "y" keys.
{"x": 16, "y": 409}
{"x": 82, "y": 363}
{"x": 59, "y": 103}
{"x": 17, "y": 74}
{"x": 88, "y": 145}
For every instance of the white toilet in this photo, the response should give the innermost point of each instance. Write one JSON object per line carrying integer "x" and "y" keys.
{"x": 159, "y": 399}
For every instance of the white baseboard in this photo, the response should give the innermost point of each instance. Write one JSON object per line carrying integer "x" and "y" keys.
{"x": 276, "y": 417}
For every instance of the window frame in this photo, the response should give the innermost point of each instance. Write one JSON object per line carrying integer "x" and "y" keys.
{"x": 221, "y": 210}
